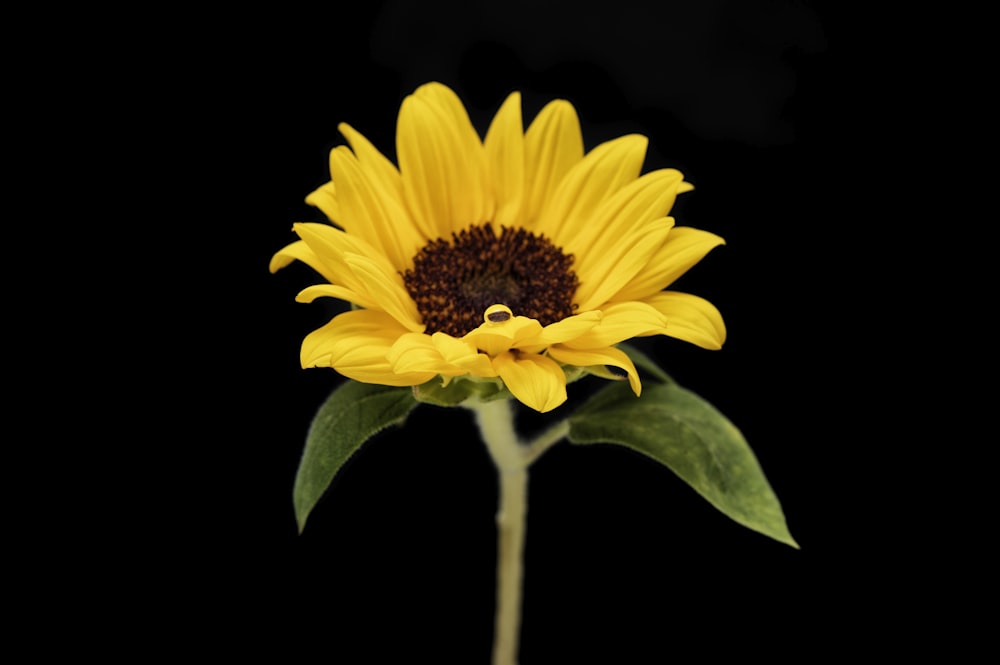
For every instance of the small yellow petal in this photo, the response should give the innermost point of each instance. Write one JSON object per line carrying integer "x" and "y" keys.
{"x": 325, "y": 198}
{"x": 690, "y": 318}
{"x": 310, "y": 293}
{"x": 299, "y": 251}
{"x": 606, "y": 356}
{"x": 535, "y": 380}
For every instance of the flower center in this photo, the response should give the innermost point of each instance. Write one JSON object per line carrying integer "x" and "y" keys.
{"x": 453, "y": 283}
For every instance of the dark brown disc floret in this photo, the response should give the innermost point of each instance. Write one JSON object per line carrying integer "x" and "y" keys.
{"x": 453, "y": 282}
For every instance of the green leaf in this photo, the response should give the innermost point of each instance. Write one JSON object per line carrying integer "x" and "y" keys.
{"x": 677, "y": 428}
{"x": 352, "y": 414}
{"x": 642, "y": 361}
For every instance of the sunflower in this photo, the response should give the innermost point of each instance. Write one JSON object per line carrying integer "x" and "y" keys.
{"x": 517, "y": 258}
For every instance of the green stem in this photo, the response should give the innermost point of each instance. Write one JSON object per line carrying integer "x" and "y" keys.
{"x": 496, "y": 426}
{"x": 511, "y": 458}
{"x": 510, "y": 565}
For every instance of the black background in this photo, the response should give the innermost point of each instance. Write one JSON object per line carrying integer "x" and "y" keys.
{"x": 230, "y": 121}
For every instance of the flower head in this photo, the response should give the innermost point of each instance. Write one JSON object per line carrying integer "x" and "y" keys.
{"x": 517, "y": 257}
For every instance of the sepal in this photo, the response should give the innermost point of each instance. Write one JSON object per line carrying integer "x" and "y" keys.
{"x": 457, "y": 390}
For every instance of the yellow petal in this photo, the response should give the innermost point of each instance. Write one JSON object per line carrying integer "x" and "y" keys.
{"x": 504, "y": 144}
{"x": 684, "y": 247}
{"x": 386, "y": 289}
{"x": 495, "y": 338}
{"x": 337, "y": 336}
{"x": 690, "y": 318}
{"x": 552, "y": 145}
{"x": 325, "y": 198}
{"x": 322, "y": 247}
{"x": 621, "y": 258}
{"x": 445, "y": 99}
{"x": 415, "y": 352}
{"x": 602, "y": 172}
{"x": 371, "y": 211}
{"x": 649, "y": 197}
{"x": 442, "y": 163}
{"x": 332, "y": 246}
{"x": 375, "y": 164}
{"x": 606, "y": 356}
{"x": 619, "y": 322}
{"x": 355, "y": 344}
{"x": 535, "y": 380}
{"x": 460, "y": 353}
{"x": 310, "y": 293}
{"x": 299, "y": 251}
{"x": 441, "y": 354}
{"x": 569, "y": 328}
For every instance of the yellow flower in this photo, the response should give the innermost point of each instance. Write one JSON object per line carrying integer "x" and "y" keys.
{"x": 514, "y": 257}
